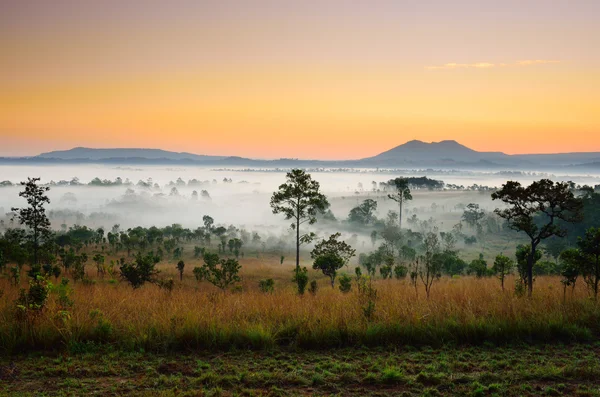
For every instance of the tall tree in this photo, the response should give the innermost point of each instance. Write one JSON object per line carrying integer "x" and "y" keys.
{"x": 301, "y": 200}
{"x": 34, "y": 216}
{"x": 536, "y": 210}
{"x": 401, "y": 194}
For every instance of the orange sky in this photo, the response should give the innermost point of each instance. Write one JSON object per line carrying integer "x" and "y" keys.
{"x": 326, "y": 79}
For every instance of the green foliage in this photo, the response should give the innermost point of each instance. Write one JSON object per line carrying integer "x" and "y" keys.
{"x": 34, "y": 216}
{"x": 364, "y": 214}
{"x": 523, "y": 252}
{"x": 166, "y": 284}
{"x": 503, "y": 266}
{"x": 400, "y": 271}
{"x": 220, "y": 272}
{"x": 479, "y": 268}
{"x": 589, "y": 247}
{"x": 267, "y": 285}
{"x": 331, "y": 255}
{"x": 65, "y": 293}
{"x": 345, "y": 283}
{"x": 180, "y": 267}
{"x": 385, "y": 271}
{"x": 367, "y": 296}
{"x": 299, "y": 199}
{"x": 31, "y": 302}
{"x": 301, "y": 279}
{"x": 141, "y": 271}
{"x": 401, "y": 194}
{"x": 473, "y": 215}
{"x": 313, "y": 287}
{"x": 537, "y": 211}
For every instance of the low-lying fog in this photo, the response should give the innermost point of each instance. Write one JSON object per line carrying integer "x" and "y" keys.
{"x": 242, "y": 201}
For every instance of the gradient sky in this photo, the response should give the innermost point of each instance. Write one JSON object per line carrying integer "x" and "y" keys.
{"x": 311, "y": 79}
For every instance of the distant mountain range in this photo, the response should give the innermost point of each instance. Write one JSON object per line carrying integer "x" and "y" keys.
{"x": 414, "y": 154}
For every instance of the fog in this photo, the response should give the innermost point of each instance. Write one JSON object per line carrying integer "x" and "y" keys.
{"x": 240, "y": 197}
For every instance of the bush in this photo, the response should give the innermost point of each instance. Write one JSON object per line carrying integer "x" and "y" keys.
{"x": 400, "y": 271}
{"x": 313, "y": 287}
{"x": 266, "y": 286}
{"x": 301, "y": 279}
{"x": 345, "y": 283}
{"x": 141, "y": 271}
{"x": 30, "y": 303}
{"x": 219, "y": 272}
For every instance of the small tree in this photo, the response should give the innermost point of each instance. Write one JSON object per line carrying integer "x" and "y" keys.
{"x": 220, "y": 272}
{"x": 299, "y": 199}
{"x": 180, "y": 267}
{"x": 589, "y": 246}
{"x": 331, "y": 255}
{"x": 430, "y": 264}
{"x": 99, "y": 260}
{"x": 479, "y": 268}
{"x": 345, "y": 283}
{"x": 141, "y": 271}
{"x": 301, "y": 279}
{"x": 536, "y": 210}
{"x": 472, "y": 215}
{"x": 571, "y": 266}
{"x": 34, "y": 216}
{"x": 401, "y": 195}
{"x": 267, "y": 285}
{"x": 502, "y": 267}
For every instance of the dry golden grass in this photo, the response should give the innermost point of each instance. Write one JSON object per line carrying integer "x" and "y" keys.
{"x": 460, "y": 310}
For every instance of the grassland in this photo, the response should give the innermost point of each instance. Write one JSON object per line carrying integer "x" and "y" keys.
{"x": 471, "y": 371}
{"x": 461, "y": 310}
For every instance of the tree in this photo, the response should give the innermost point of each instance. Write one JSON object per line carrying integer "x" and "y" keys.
{"x": 502, "y": 267}
{"x": 430, "y": 264}
{"x": 301, "y": 200}
{"x": 536, "y": 210}
{"x": 142, "y": 270}
{"x": 219, "y": 272}
{"x": 180, "y": 267}
{"x": 208, "y": 223}
{"x": 331, "y": 255}
{"x": 99, "y": 260}
{"x": 364, "y": 213}
{"x": 571, "y": 264}
{"x": 478, "y": 267}
{"x": 589, "y": 246}
{"x": 34, "y": 216}
{"x": 401, "y": 195}
{"x": 472, "y": 215}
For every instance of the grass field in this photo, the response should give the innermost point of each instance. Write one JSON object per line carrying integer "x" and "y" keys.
{"x": 569, "y": 370}
{"x": 468, "y": 338}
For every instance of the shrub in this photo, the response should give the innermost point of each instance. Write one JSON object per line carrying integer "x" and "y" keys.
{"x": 301, "y": 279}
{"x": 180, "y": 267}
{"x": 345, "y": 283}
{"x": 30, "y": 303}
{"x": 314, "y": 286}
{"x": 220, "y": 272}
{"x": 141, "y": 271}
{"x": 400, "y": 271}
{"x": 166, "y": 284}
{"x": 266, "y": 286}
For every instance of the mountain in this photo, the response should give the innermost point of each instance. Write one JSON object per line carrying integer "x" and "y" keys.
{"x": 82, "y": 153}
{"x": 436, "y": 153}
{"x": 414, "y": 154}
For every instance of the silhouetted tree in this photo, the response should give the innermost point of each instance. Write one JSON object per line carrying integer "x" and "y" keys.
{"x": 535, "y": 211}
{"x": 301, "y": 200}
{"x": 401, "y": 195}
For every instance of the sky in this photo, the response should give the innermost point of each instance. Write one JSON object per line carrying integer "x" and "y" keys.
{"x": 324, "y": 79}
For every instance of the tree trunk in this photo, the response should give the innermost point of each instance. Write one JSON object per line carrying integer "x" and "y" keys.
{"x": 502, "y": 282}
{"x": 333, "y": 282}
{"x": 297, "y": 244}
{"x": 400, "y": 213}
{"x": 530, "y": 270}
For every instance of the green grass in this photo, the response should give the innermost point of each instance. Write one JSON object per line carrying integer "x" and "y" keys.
{"x": 550, "y": 370}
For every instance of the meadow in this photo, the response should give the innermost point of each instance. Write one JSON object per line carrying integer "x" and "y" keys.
{"x": 193, "y": 315}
